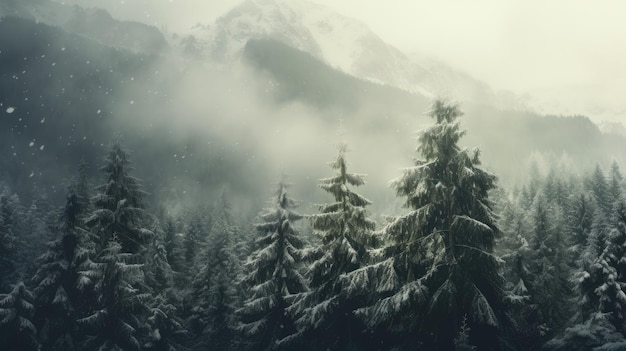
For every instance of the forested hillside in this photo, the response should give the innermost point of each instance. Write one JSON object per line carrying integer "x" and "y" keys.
{"x": 465, "y": 265}
{"x": 153, "y": 201}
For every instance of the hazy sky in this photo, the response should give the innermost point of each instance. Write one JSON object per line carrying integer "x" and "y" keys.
{"x": 570, "y": 50}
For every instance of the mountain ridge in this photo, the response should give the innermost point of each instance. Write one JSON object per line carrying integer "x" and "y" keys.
{"x": 337, "y": 40}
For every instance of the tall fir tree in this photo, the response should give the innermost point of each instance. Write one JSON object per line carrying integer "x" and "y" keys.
{"x": 604, "y": 282}
{"x": 549, "y": 284}
{"x": 8, "y": 253}
{"x": 440, "y": 262}
{"x": 616, "y": 181}
{"x": 580, "y": 221}
{"x": 114, "y": 274}
{"x": 599, "y": 188}
{"x": 273, "y": 275}
{"x": 58, "y": 300}
{"x": 601, "y": 325}
{"x": 515, "y": 251}
{"x": 167, "y": 332}
{"x": 214, "y": 286}
{"x": 116, "y": 321}
{"x": 326, "y": 313}
{"x": 17, "y": 330}
{"x": 171, "y": 243}
{"x": 118, "y": 203}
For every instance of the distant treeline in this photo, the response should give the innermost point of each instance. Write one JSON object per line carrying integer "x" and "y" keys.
{"x": 466, "y": 266}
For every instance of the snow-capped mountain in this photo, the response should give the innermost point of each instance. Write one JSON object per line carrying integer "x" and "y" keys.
{"x": 339, "y": 41}
{"x": 93, "y": 23}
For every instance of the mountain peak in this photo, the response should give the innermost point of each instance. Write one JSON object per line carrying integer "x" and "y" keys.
{"x": 339, "y": 41}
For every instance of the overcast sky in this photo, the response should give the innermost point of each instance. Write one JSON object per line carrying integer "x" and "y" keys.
{"x": 571, "y": 50}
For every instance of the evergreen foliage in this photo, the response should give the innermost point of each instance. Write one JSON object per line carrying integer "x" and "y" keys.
{"x": 167, "y": 332}
{"x": 468, "y": 267}
{"x": 116, "y": 320}
{"x": 17, "y": 330}
{"x": 118, "y": 202}
{"x": 58, "y": 299}
{"x": 603, "y": 283}
{"x": 8, "y": 252}
{"x": 549, "y": 283}
{"x": 346, "y": 238}
{"x": 273, "y": 274}
{"x": 440, "y": 264}
{"x": 214, "y": 286}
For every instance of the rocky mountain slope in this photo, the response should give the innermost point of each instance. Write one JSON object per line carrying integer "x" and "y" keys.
{"x": 341, "y": 42}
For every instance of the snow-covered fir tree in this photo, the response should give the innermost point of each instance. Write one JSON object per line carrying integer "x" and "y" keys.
{"x": 116, "y": 320}
{"x": 603, "y": 304}
{"x": 8, "y": 253}
{"x": 214, "y": 286}
{"x": 159, "y": 275}
{"x": 326, "y": 313}
{"x": 194, "y": 237}
{"x": 35, "y": 232}
{"x": 580, "y": 221}
{"x": 599, "y": 188}
{"x": 113, "y": 275}
{"x": 273, "y": 275}
{"x": 616, "y": 181}
{"x": 171, "y": 244}
{"x": 514, "y": 249}
{"x": 58, "y": 300}
{"x": 119, "y": 213}
{"x": 167, "y": 332}
{"x": 440, "y": 264}
{"x": 549, "y": 283}
{"x": 462, "y": 342}
{"x": 17, "y": 330}
{"x": 603, "y": 283}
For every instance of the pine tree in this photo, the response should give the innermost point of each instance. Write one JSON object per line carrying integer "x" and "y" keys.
{"x": 35, "y": 232}
{"x": 119, "y": 210}
{"x": 115, "y": 321}
{"x": 214, "y": 290}
{"x": 514, "y": 249}
{"x": 113, "y": 275}
{"x": 193, "y": 239}
{"x": 8, "y": 254}
{"x": 581, "y": 222}
{"x": 605, "y": 280}
{"x": 166, "y": 329}
{"x": 81, "y": 187}
{"x": 160, "y": 275}
{"x": 462, "y": 342}
{"x": 599, "y": 188}
{"x": 17, "y": 330}
{"x": 171, "y": 245}
{"x": 603, "y": 303}
{"x": 441, "y": 252}
{"x": 345, "y": 230}
{"x": 273, "y": 275}
{"x": 615, "y": 183}
{"x": 58, "y": 299}
{"x": 549, "y": 284}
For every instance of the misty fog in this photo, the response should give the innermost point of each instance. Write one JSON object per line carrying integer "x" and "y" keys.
{"x": 291, "y": 174}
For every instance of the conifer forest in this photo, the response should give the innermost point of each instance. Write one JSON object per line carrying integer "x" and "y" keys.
{"x": 228, "y": 191}
{"x": 467, "y": 265}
